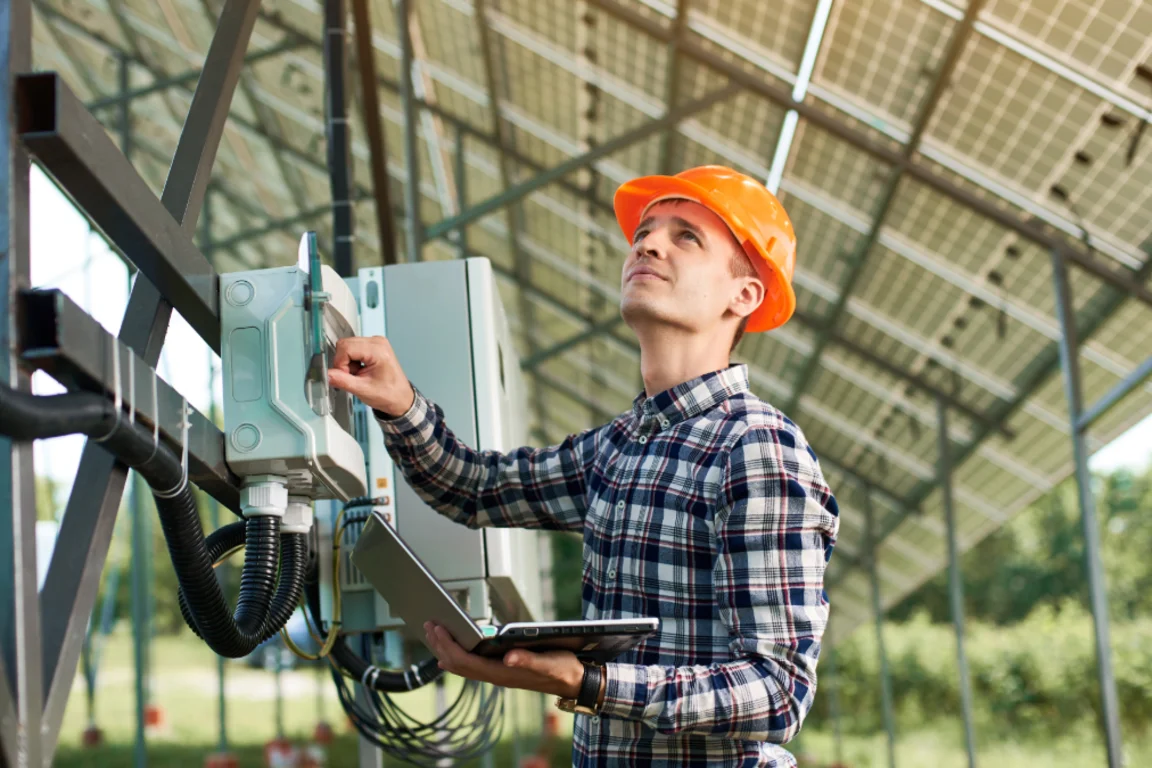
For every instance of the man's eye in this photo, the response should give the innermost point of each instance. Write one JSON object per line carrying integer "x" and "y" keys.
{"x": 689, "y": 234}
{"x": 639, "y": 236}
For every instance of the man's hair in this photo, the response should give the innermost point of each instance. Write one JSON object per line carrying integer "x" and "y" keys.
{"x": 741, "y": 267}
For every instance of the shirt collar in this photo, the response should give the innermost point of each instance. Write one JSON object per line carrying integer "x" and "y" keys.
{"x": 692, "y": 398}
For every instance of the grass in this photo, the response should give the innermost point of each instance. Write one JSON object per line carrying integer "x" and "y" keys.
{"x": 184, "y": 685}
{"x": 942, "y": 746}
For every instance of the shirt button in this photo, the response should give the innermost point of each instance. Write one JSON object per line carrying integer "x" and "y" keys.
{"x": 642, "y": 439}
{"x": 664, "y": 423}
{"x": 611, "y": 573}
{"x": 595, "y": 719}
{"x": 620, "y": 505}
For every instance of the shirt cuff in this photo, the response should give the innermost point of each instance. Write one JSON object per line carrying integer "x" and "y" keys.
{"x": 626, "y": 692}
{"x": 417, "y": 419}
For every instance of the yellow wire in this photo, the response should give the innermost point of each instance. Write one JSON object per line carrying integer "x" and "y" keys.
{"x": 334, "y": 627}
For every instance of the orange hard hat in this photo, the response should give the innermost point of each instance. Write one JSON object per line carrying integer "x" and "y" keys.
{"x": 755, "y": 216}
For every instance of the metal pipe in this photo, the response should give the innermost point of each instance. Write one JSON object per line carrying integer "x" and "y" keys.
{"x": 1097, "y": 586}
{"x": 672, "y": 85}
{"x": 955, "y": 581}
{"x": 460, "y": 175}
{"x": 21, "y": 669}
{"x": 370, "y": 109}
{"x": 1115, "y": 395}
{"x": 833, "y": 682}
{"x": 411, "y": 148}
{"x": 878, "y": 612}
{"x": 339, "y": 142}
{"x": 139, "y": 616}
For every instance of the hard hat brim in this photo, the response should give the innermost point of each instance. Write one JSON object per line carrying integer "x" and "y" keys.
{"x": 635, "y": 197}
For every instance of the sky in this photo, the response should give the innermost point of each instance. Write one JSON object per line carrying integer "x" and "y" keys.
{"x": 67, "y": 255}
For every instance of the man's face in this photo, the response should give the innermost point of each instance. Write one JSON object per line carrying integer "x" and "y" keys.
{"x": 680, "y": 273}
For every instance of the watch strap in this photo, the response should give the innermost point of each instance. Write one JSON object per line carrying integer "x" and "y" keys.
{"x": 590, "y": 686}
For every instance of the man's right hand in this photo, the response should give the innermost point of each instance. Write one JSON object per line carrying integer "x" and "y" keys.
{"x": 368, "y": 369}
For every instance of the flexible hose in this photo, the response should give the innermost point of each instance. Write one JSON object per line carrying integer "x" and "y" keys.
{"x": 25, "y": 416}
{"x": 294, "y": 558}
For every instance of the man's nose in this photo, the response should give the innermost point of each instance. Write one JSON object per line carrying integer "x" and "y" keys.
{"x": 653, "y": 246}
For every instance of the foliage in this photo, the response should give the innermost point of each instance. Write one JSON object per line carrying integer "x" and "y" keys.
{"x": 1035, "y": 677}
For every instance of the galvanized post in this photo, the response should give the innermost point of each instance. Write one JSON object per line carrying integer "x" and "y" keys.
{"x": 21, "y": 677}
{"x": 339, "y": 140}
{"x": 411, "y": 148}
{"x": 885, "y": 675}
{"x": 833, "y": 683}
{"x": 955, "y": 580}
{"x": 139, "y": 615}
{"x": 460, "y": 176}
{"x": 1097, "y": 586}
{"x": 369, "y": 755}
{"x": 278, "y": 678}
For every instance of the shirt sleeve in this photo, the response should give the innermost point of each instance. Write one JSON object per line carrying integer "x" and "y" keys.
{"x": 775, "y": 526}
{"x": 526, "y": 488}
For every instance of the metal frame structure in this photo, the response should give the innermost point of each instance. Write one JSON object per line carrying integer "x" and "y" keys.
{"x": 46, "y": 331}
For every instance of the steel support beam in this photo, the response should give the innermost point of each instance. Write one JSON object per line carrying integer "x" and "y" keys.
{"x": 64, "y": 341}
{"x": 1130, "y": 382}
{"x": 189, "y": 77}
{"x": 1097, "y": 585}
{"x": 412, "y": 221}
{"x": 270, "y": 227}
{"x": 370, "y": 112}
{"x": 511, "y": 195}
{"x": 886, "y": 704}
{"x": 100, "y": 479}
{"x": 460, "y": 175}
{"x": 1100, "y": 309}
{"x": 672, "y": 86}
{"x": 74, "y": 148}
{"x": 339, "y": 141}
{"x": 860, "y": 258}
{"x": 1115, "y": 275}
{"x": 520, "y": 260}
{"x": 21, "y": 680}
{"x": 955, "y": 580}
{"x": 906, "y": 377}
{"x": 596, "y": 329}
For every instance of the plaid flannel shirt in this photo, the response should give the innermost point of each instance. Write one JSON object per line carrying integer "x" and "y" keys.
{"x": 702, "y": 506}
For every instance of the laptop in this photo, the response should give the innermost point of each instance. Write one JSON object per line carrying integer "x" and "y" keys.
{"x": 416, "y": 596}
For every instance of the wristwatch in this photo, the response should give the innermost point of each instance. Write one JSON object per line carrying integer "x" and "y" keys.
{"x": 588, "y": 700}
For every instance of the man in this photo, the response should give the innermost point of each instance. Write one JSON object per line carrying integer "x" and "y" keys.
{"x": 702, "y": 506}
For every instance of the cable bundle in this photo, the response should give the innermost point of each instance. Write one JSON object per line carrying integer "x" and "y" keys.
{"x": 467, "y": 729}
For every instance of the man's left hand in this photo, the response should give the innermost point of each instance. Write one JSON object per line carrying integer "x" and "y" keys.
{"x": 556, "y": 673}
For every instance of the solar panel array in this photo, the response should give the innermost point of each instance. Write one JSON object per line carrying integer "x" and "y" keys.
{"x": 1043, "y": 113}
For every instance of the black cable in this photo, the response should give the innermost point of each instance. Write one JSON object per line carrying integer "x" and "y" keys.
{"x": 24, "y": 416}
{"x": 468, "y": 728}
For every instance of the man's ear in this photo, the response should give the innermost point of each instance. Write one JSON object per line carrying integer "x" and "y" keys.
{"x": 751, "y": 294}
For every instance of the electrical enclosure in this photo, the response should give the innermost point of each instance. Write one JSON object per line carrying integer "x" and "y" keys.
{"x": 275, "y": 422}
{"x": 446, "y": 323}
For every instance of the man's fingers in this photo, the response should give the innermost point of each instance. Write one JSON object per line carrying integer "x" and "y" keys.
{"x": 526, "y": 660}
{"x": 349, "y": 383}
{"x": 356, "y": 349}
